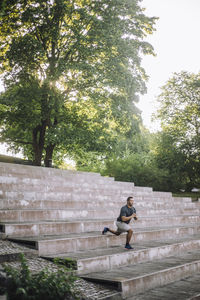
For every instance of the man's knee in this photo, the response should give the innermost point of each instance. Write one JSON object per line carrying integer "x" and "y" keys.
{"x": 118, "y": 233}
{"x": 130, "y": 231}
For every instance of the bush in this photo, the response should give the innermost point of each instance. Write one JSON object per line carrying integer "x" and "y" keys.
{"x": 23, "y": 285}
{"x": 139, "y": 168}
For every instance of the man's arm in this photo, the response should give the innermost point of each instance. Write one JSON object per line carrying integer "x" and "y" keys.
{"x": 135, "y": 216}
{"x": 124, "y": 219}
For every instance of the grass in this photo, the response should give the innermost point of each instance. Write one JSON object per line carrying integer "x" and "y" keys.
{"x": 193, "y": 195}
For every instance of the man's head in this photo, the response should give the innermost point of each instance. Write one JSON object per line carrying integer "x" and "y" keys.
{"x": 130, "y": 201}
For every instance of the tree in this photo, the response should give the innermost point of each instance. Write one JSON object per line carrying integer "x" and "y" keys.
{"x": 179, "y": 112}
{"x": 134, "y": 161}
{"x": 72, "y": 72}
{"x": 171, "y": 160}
{"x": 128, "y": 141}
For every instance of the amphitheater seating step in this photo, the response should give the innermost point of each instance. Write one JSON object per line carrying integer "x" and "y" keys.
{"x": 56, "y": 244}
{"x": 185, "y": 289}
{"x": 61, "y": 227}
{"x": 133, "y": 279}
{"x": 103, "y": 259}
{"x": 62, "y": 213}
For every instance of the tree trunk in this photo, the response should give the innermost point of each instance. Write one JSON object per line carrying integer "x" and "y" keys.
{"x": 37, "y": 158}
{"x": 38, "y": 136}
{"x": 49, "y": 154}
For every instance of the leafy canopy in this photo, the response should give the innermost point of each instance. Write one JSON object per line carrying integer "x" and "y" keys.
{"x": 179, "y": 113}
{"x": 72, "y": 72}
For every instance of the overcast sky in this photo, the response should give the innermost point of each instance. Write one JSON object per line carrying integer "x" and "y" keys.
{"x": 176, "y": 43}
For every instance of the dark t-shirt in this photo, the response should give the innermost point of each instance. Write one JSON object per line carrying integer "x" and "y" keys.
{"x": 126, "y": 212}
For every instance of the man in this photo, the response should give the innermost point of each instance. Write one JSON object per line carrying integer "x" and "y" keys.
{"x": 126, "y": 214}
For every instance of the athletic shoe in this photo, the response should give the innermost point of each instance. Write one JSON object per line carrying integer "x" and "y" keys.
{"x": 105, "y": 230}
{"x": 128, "y": 247}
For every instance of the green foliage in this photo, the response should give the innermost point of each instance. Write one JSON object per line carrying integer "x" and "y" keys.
{"x": 90, "y": 162}
{"x": 23, "y": 285}
{"x": 72, "y": 72}
{"x": 139, "y": 168}
{"x": 131, "y": 159}
{"x": 170, "y": 158}
{"x": 178, "y": 147}
{"x": 67, "y": 262}
{"x": 195, "y": 196}
{"x": 135, "y": 140}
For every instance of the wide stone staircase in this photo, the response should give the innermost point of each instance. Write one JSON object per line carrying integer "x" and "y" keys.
{"x": 62, "y": 214}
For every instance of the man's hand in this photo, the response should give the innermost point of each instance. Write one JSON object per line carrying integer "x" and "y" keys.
{"x": 134, "y": 216}
{"x": 124, "y": 219}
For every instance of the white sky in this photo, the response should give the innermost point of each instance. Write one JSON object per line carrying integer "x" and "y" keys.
{"x": 176, "y": 43}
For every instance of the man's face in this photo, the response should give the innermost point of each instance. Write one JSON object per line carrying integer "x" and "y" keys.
{"x": 130, "y": 202}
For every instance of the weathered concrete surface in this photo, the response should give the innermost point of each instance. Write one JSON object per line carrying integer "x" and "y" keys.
{"x": 93, "y": 240}
{"x": 60, "y": 227}
{"x": 69, "y": 214}
{"x": 58, "y": 212}
{"x": 104, "y": 259}
{"x": 185, "y": 289}
{"x": 144, "y": 276}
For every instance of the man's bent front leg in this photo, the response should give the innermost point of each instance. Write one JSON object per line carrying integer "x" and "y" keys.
{"x": 129, "y": 235}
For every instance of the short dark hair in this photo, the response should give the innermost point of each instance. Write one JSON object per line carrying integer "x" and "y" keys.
{"x": 129, "y": 198}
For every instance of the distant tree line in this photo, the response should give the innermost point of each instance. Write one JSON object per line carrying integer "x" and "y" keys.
{"x": 170, "y": 159}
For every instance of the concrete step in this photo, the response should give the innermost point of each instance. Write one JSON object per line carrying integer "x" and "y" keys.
{"x": 164, "y": 194}
{"x": 42, "y": 228}
{"x": 13, "y": 179}
{"x": 56, "y": 244}
{"x": 187, "y": 288}
{"x": 56, "y": 227}
{"x": 95, "y": 212}
{"x": 7, "y": 168}
{"x": 100, "y": 202}
{"x": 137, "y": 278}
{"x": 104, "y": 259}
{"x": 172, "y": 220}
{"x": 145, "y": 217}
{"x": 70, "y": 194}
{"x": 182, "y": 199}
{"x": 11, "y": 173}
{"x": 96, "y": 188}
{"x": 89, "y": 190}
{"x": 54, "y": 184}
{"x": 171, "y": 212}
{"x": 53, "y": 214}
{"x": 85, "y": 194}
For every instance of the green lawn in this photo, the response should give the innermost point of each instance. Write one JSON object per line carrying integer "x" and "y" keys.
{"x": 193, "y": 195}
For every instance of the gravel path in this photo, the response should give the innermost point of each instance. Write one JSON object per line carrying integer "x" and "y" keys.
{"x": 87, "y": 290}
